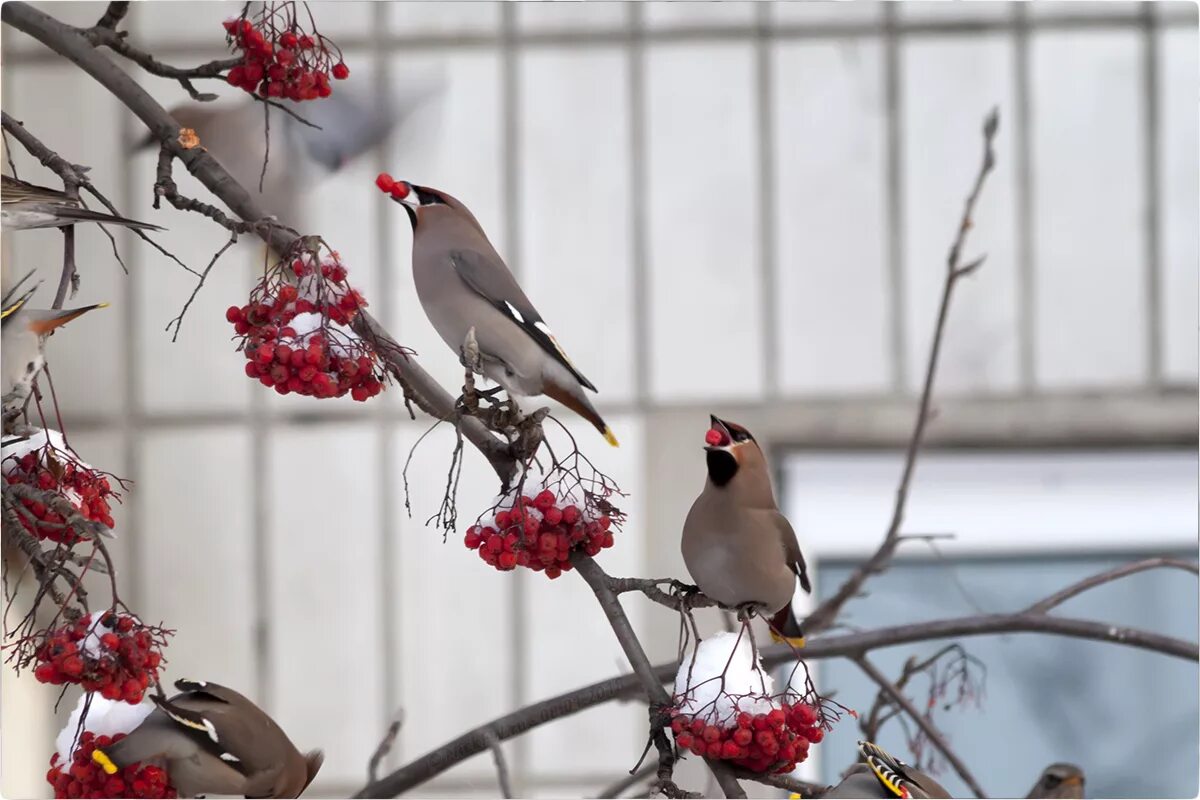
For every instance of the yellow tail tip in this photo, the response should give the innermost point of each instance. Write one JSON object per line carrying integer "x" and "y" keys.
{"x": 104, "y": 761}
{"x": 795, "y": 641}
{"x": 102, "y": 305}
{"x": 608, "y": 437}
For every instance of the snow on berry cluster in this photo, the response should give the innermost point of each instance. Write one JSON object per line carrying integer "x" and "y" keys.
{"x": 72, "y": 772}
{"x": 280, "y": 58}
{"x": 725, "y": 708}
{"x": 296, "y": 337}
{"x": 540, "y": 532}
{"x": 105, "y": 652}
{"x": 44, "y": 461}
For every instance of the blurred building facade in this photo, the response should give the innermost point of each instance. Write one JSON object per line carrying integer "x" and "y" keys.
{"x": 741, "y": 208}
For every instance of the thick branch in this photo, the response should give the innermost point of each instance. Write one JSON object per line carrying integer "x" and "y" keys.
{"x": 70, "y": 43}
{"x": 847, "y": 645}
{"x": 922, "y": 721}
{"x": 825, "y": 614}
{"x": 598, "y": 580}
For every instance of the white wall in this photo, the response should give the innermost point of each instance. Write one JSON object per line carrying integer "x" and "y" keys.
{"x": 740, "y": 204}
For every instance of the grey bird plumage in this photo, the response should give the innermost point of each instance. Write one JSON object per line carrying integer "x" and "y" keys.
{"x": 463, "y": 283}
{"x": 215, "y": 741}
{"x": 25, "y": 205}
{"x": 880, "y": 775}
{"x": 1059, "y": 781}
{"x": 738, "y": 546}
{"x": 23, "y": 332}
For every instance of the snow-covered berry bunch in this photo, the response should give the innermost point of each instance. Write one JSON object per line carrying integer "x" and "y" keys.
{"x": 280, "y": 58}
{"x": 540, "y": 531}
{"x": 81, "y": 777}
{"x": 725, "y": 708}
{"x": 296, "y": 337}
{"x": 105, "y": 652}
{"x": 45, "y": 462}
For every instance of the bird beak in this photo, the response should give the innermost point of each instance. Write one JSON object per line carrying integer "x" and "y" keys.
{"x": 719, "y": 425}
{"x": 409, "y": 198}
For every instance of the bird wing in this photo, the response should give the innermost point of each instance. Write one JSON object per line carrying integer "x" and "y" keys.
{"x": 204, "y": 728}
{"x": 494, "y": 283}
{"x": 897, "y": 777}
{"x": 14, "y": 190}
{"x": 792, "y": 549}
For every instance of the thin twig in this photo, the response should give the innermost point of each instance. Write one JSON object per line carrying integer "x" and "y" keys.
{"x": 933, "y": 734}
{"x": 178, "y": 321}
{"x": 809, "y": 791}
{"x": 501, "y": 765}
{"x": 385, "y": 746}
{"x": 626, "y": 782}
{"x": 826, "y": 613}
{"x": 1058, "y": 598}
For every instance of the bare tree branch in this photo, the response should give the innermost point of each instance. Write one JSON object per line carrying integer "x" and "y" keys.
{"x": 385, "y": 746}
{"x": 624, "y": 784}
{"x": 922, "y": 722}
{"x": 1058, "y": 598}
{"x": 809, "y": 791}
{"x": 825, "y": 614}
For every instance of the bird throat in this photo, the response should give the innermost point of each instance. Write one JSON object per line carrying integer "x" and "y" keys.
{"x": 412, "y": 215}
{"x": 722, "y": 466}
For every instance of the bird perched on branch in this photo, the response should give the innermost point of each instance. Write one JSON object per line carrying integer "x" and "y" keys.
{"x": 880, "y": 775}
{"x": 22, "y": 334}
{"x": 1059, "y": 780}
{"x": 740, "y": 550}
{"x": 215, "y": 741}
{"x": 24, "y": 205}
{"x": 463, "y": 283}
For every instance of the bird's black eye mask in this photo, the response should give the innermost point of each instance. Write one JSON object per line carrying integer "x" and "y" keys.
{"x": 722, "y": 466}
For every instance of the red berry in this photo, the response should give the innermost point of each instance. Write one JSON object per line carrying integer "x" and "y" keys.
{"x": 743, "y": 737}
{"x": 288, "y": 39}
{"x": 814, "y": 735}
{"x": 684, "y": 740}
{"x": 385, "y": 182}
{"x": 110, "y": 641}
{"x": 714, "y": 437}
{"x": 712, "y": 734}
{"x": 729, "y": 749}
{"x": 777, "y": 718}
{"x": 341, "y": 71}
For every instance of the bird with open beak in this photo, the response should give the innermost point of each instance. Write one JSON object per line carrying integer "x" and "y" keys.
{"x": 463, "y": 283}
{"x": 740, "y": 550}
{"x": 215, "y": 741}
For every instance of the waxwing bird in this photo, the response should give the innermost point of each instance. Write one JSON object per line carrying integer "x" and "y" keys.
{"x": 24, "y": 205}
{"x": 740, "y": 550}
{"x": 215, "y": 741}
{"x": 24, "y": 331}
{"x": 301, "y": 156}
{"x": 463, "y": 283}
{"x": 880, "y": 775}
{"x": 1059, "y": 780}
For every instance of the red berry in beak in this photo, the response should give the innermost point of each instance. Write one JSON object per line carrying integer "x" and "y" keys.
{"x": 385, "y": 182}
{"x": 714, "y": 438}
{"x": 400, "y": 190}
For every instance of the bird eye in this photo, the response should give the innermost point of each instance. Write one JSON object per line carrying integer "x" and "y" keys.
{"x": 741, "y": 435}
{"x": 1052, "y": 781}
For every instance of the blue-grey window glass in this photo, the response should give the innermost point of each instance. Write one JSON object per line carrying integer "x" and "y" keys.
{"x": 1129, "y": 717}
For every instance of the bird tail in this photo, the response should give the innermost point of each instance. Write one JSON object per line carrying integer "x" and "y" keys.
{"x": 581, "y": 406}
{"x": 72, "y": 214}
{"x": 137, "y": 746}
{"x": 786, "y": 628}
{"x": 46, "y": 321}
